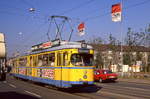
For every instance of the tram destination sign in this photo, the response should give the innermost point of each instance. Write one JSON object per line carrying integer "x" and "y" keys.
{"x": 45, "y": 45}
{"x": 82, "y": 50}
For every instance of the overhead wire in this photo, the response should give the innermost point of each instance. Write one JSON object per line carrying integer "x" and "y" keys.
{"x": 35, "y": 13}
{"x": 77, "y": 7}
{"x": 137, "y": 4}
{"x": 27, "y": 3}
{"x": 20, "y": 9}
{"x": 98, "y": 16}
{"x": 10, "y": 13}
{"x": 32, "y": 38}
{"x": 67, "y": 11}
{"x": 107, "y": 13}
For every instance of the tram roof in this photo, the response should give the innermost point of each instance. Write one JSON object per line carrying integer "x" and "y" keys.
{"x": 65, "y": 45}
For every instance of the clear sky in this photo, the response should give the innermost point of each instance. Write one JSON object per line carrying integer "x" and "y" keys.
{"x": 23, "y": 28}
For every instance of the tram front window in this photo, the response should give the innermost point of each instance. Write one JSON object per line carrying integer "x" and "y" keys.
{"x": 82, "y": 59}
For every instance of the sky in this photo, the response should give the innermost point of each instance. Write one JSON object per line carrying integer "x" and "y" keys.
{"x": 24, "y": 28}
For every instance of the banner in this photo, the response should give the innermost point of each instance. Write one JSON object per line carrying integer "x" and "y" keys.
{"x": 81, "y": 29}
{"x": 116, "y": 12}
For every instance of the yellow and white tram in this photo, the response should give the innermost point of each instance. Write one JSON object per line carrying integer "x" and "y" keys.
{"x": 62, "y": 64}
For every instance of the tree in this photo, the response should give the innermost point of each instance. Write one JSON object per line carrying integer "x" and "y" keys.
{"x": 112, "y": 40}
{"x": 147, "y": 36}
{"x": 131, "y": 42}
{"x": 95, "y": 42}
{"x": 126, "y": 59}
{"x": 136, "y": 39}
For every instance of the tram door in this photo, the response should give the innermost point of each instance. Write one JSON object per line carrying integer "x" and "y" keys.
{"x": 61, "y": 62}
{"x": 29, "y": 73}
{"x": 34, "y": 63}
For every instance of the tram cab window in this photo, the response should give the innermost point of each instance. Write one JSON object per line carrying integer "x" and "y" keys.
{"x": 82, "y": 59}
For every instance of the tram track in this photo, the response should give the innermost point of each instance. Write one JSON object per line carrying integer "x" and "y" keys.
{"x": 105, "y": 91}
{"x": 129, "y": 91}
{"x": 84, "y": 94}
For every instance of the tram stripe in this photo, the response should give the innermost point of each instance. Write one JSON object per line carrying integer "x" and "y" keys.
{"x": 58, "y": 83}
{"x": 62, "y": 67}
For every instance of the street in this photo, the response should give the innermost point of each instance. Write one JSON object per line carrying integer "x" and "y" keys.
{"x": 14, "y": 89}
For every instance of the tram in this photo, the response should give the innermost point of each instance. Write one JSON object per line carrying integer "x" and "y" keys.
{"x": 2, "y": 58}
{"x": 59, "y": 63}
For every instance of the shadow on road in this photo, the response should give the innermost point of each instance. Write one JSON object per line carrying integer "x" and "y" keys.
{"x": 15, "y": 95}
{"x": 85, "y": 89}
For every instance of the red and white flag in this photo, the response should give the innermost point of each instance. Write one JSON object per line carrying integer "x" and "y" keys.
{"x": 116, "y": 12}
{"x": 81, "y": 29}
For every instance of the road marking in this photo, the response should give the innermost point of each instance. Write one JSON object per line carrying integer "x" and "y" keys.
{"x": 4, "y": 81}
{"x": 137, "y": 89}
{"x": 121, "y": 87}
{"x": 120, "y": 95}
{"x": 12, "y": 85}
{"x": 142, "y": 83}
{"x": 34, "y": 94}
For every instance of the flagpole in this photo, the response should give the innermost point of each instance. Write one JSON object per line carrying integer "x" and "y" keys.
{"x": 117, "y": 16}
{"x": 121, "y": 30}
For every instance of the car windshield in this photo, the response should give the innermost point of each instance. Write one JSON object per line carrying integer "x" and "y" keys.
{"x": 107, "y": 72}
{"x": 82, "y": 59}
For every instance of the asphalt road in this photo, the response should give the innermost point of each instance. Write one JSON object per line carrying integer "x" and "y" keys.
{"x": 14, "y": 89}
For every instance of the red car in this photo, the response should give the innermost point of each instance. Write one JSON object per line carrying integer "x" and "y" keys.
{"x": 104, "y": 75}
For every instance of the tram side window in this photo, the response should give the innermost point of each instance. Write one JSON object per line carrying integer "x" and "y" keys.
{"x": 40, "y": 60}
{"x": 45, "y": 60}
{"x": 22, "y": 61}
{"x": 15, "y": 63}
{"x": 51, "y": 61}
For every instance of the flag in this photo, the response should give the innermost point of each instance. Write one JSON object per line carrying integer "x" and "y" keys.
{"x": 116, "y": 12}
{"x": 81, "y": 29}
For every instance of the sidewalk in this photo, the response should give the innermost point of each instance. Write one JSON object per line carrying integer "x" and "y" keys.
{"x": 132, "y": 80}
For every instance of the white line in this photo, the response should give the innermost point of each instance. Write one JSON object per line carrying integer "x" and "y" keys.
{"x": 120, "y": 95}
{"x": 12, "y": 85}
{"x": 121, "y": 87}
{"x": 137, "y": 89}
{"x": 33, "y": 94}
{"x": 4, "y": 81}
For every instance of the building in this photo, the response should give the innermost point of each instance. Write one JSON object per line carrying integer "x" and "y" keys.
{"x": 122, "y": 58}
